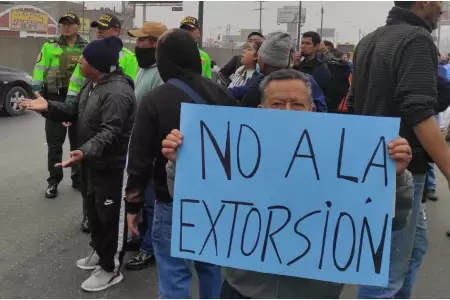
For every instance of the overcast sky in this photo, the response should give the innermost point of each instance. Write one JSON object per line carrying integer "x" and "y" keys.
{"x": 347, "y": 17}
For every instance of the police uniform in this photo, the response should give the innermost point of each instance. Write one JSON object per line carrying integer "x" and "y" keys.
{"x": 127, "y": 59}
{"x": 55, "y": 65}
{"x": 192, "y": 23}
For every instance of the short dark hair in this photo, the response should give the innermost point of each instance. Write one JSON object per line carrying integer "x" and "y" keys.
{"x": 328, "y": 44}
{"x": 315, "y": 37}
{"x": 255, "y": 33}
{"x": 404, "y": 4}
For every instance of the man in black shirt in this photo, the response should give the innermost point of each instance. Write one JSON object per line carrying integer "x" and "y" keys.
{"x": 395, "y": 75}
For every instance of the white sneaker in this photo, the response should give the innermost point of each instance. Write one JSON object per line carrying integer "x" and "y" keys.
{"x": 424, "y": 207}
{"x": 100, "y": 280}
{"x": 90, "y": 262}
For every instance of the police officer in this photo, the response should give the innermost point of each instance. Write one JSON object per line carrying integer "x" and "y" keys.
{"x": 107, "y": 25}
{"x": 55, "y": 65}
{"x": 191, "y": 24}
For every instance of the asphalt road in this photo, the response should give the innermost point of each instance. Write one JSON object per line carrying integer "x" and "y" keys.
{"x": 40, "y": 238}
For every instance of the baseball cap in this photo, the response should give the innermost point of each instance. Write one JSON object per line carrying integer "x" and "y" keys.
{"x": 107, "y": 21}
{"x": 190, "y": 22}
{"x": 153, "y": 29}
{"x": 71, "y": 17}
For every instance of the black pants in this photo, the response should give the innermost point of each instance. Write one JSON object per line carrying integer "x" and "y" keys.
{"x": 55, "y": 134}
{"x": 106, "y": 215}
{"x": 228, "y": 292}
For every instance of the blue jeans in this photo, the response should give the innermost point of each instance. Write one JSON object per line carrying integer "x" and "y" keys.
{"x": 431, "y": 180}
{"x": 150, "y": 198}
{"x": 431, "y": 177}
{"x": 175, "y": 274}
{"x": 408, "y": 248}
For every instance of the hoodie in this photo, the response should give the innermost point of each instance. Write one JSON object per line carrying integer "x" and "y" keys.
{"x": 252, "y": 284}
{"x": 318, "y": 69}
{"x": 159, "y": 113}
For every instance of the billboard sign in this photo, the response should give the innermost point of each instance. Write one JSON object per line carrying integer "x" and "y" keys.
{"x": 445, "y": 18}
{"x": 22, "y": 20}
{"x": 327, "y": 32}
{"x": 85, "y": 24}
{"x": 289, "y": 14}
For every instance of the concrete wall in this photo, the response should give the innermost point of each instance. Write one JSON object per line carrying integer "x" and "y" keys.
{"x": 21, "y": 53}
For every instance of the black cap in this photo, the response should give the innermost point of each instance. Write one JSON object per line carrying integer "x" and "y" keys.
{"x": 189, "y": 22}
{"x": 71, "y": 17}
{"x": 107, "y": 21}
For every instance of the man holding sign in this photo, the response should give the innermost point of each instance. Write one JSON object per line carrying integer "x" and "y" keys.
{"x": 282, "y": 90}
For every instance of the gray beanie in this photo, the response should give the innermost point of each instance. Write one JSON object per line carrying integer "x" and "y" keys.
{"x": 276, "y": 50}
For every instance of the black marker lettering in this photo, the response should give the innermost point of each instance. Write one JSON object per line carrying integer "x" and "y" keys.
{"x": 185, "y": 224}
{"x": 258, "y": 159}
{"x": 272, "y": 234}
{"x": 336, "y": 234}
{"x": 303, "y": 236}
{"x": 253, "y": 210}
{"x": 311, "y": 155}
{"x": 339, "y": 166}
{"x": 213, "y": 226}
{"x": 381, "y": 143}
{"x": 236, "y": 206}
{"x": 225, "y": 158}
{"x": 324, "y": 235}
{"x": 377, "y": 256}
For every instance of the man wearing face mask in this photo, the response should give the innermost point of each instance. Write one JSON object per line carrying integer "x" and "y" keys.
{"x": 147, "y": 79}
{"x": 148, "y": 76}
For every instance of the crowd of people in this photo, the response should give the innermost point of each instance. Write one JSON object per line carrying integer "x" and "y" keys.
{"x": 122, "y": 111}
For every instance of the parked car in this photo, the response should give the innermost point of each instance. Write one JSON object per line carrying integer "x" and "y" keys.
{"x": 14, "y": 84}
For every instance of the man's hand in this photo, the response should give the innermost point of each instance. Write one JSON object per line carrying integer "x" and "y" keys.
{"x": 400, "y": 152}
{"x": 132, "y": 223}
{"x": 39, "y": 104}
{"x": 170, "y": 145}
{"x": 297, "y": 58}
{"x": 75, "y": 158}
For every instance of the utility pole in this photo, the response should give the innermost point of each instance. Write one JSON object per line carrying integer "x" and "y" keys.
{"x": 144, "y": 12}
{"x": 82, "y": 26}
{"x": 260, "y": 14}
{"x": 299, "y": 24}
{"x": 321, "y": 21}
{"x": 200, "y": 21}
{"x": 438, "y": 36}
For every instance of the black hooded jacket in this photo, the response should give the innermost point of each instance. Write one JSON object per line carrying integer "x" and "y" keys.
{"x": 177, "y": 56}
{"x": 318, "y": 69}
{"x": 104, "y": 116}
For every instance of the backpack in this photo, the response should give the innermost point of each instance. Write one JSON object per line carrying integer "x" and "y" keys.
{"x": 340, "y": 72}
{"x": 342, "y": 108}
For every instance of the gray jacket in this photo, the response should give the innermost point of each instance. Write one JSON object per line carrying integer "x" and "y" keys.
{"x": 261, "y": 285}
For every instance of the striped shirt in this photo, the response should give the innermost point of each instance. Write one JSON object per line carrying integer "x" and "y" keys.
{"x": 395, "y": 75}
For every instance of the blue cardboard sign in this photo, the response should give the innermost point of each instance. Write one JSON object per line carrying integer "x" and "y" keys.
{"x": 291, "y": 193}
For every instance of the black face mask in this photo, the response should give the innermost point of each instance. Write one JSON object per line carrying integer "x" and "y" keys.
{"x": 146, "y": 57}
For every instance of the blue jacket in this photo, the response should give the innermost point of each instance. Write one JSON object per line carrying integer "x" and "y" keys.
{"x": 443, "y": 87}
{"x": 251, "y": 97}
